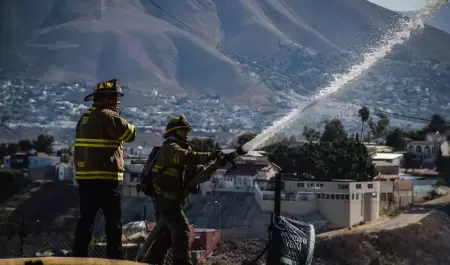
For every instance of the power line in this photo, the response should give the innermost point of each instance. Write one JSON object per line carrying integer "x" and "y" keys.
{"x": 278, "y": 74}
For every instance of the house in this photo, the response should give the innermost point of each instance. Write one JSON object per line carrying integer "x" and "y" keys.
{"x": 34, "y": 165}
{"x": 240, "y": 179}
{"x": 426, "y": 152}
{"x": 388, "y": 158}
{"x": 342, "y": 203}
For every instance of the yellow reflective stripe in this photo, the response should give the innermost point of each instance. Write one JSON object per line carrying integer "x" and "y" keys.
{"x": 97, "y": 145}
{"x": 92, "y": 140}
{"x": 111, "y": 173}
{"x": 90, "y": 110}
{"x": 100, "y": 143}
{"x": 128, "y": 133}
{"x": 99, "y": 177}
{"x": 169, "y": 171}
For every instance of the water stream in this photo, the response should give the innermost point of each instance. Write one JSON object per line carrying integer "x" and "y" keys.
{"x": 397, "y": 35}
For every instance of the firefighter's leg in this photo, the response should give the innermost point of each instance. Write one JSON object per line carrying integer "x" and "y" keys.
{"x": 88, "y": 211}
{"x": 173, "y": 215}
{"x": 163, "y": 241}
{"x": 112, "y": 210}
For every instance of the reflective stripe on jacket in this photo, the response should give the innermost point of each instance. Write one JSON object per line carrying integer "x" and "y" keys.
{"x": 170, "y": 165}
{"x": 99, "y": 141}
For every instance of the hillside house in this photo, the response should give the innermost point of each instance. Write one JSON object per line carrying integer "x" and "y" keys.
{"x": 34, "y": 165}
{"x": 425, "y": 153}
{"x": 341, "y": 203}
{"x": 240, "y": 179}
{"x": 388, "y": 158}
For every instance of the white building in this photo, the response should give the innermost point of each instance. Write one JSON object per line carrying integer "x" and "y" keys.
{"x": 341, "y": 203}
{"x": 389, "y": 158}
{"x": 426, "y": 152}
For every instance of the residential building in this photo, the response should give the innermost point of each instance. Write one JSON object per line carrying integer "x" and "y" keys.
{"x": 341, "y": 203}
{"x": 426, "y": 152}
{"x": 388, "y": 158}
{"x": 34, "y": 165}
{"x": 240, "y": 179}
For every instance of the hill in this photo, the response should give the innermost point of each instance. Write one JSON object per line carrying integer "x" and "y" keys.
{"x": 84, "y": 41}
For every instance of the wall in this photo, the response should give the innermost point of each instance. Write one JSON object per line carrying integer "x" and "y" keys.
{"x": 40, "y": 173}
{"x": 421, "y": 187}
{"x": 42, "y": 162}
{"x": 207, "y": 240}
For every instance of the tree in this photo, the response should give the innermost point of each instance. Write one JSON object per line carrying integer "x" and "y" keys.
{"x": 437, "y": 124}
{"x": 396, "y": 139}
{"x": 334, "y": 131}
{"x": 13, "y": 148}
{"x": 25, "y": 145}
{"x": 44, "y": 143}
{"x": 311, "y": 134}
{"x": 245, "y": 138}
{"x": 203, "y": 144}
{"x": 3, "y": 150}
{"x": 364, "y": 114}
{"x": 379, "y": 128}
{"x": 324, "y": 161}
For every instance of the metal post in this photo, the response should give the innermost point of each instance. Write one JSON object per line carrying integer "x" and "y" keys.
{"x": 218, "y": 214}
{"x": 274, "y": 250}
{"x": 145, "y": 212}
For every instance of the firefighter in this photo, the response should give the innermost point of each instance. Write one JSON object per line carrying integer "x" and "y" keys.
{"x": 99, "y": 165}
{"x": 172, "y": 162}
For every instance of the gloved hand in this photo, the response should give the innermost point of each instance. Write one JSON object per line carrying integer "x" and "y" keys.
{"x": 218, "y": 155}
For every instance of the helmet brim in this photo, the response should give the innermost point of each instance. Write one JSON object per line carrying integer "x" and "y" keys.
{"x": 92, "y": 95}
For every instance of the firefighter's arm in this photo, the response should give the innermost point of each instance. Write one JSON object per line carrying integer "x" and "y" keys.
{"x": 118, "y": 128}
{"x": 183, "y": 156}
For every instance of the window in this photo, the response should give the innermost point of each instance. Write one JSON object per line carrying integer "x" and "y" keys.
{"x": 310, "y": 185}
{"x": 342, "y": 186}
{"x": 411, "y": 149}
{"x": 418, "y": 149}
{"x": 433, "y": 149}
{"x": 300, "y": 185}
{"x": 332, "y": 196}
{"x": 318, "y": 195}
{"x": 370, "y": 186}
{"x": 319, "y": 185}
{"x": 347, "y": 196}
{"x": 358, "y": 186}
{"x": 357, "y": 196}
{"x": 427, "y": 149}
{"x": 353, "y": 196}
{"x": 327, "y": 196}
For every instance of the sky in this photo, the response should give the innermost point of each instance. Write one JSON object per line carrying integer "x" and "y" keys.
{"x": 400, "y": 5}
{"x": 440, "y": 20}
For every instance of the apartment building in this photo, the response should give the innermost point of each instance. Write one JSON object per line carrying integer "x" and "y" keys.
{"x": 426, "y": 152}
{"x": 341, "y": 203}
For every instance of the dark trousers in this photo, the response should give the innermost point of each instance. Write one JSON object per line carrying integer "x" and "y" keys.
{"x": 96, "y": 195}
{"x": 175, "y": 233}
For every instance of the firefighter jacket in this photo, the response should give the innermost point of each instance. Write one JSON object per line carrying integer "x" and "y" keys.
{"x": 99, "y": 141}
{"x": 174, "y": 157}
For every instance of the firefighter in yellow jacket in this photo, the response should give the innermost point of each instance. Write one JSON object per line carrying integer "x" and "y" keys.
{"x": 99, "y": 165}
{"x": 171, "y": 164}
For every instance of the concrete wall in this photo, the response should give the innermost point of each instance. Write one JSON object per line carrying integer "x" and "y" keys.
{"x": 423, "y": 186}
{"x": 42, "y": 162}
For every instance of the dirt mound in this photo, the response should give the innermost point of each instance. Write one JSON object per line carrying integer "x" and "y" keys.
{"x": 422, "y": 243}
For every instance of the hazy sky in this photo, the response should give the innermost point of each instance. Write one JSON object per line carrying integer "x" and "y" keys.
{"x": 400, "y": 5}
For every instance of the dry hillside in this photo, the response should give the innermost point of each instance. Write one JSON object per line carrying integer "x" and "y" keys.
{"x": 65, "y": 40}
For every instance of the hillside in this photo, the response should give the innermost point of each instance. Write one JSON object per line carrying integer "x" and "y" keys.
{"x": 423, "y": 243}
{"x": 84, "y": 41}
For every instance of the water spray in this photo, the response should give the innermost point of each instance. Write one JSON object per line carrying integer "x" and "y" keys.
{"x": 398, "y": 35}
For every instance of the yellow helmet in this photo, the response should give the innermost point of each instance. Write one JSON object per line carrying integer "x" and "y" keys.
{"x": 110, "y": 86}
{"x": 177, "y": 123}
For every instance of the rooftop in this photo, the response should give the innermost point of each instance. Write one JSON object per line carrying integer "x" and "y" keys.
{"x": 386, "y": 156}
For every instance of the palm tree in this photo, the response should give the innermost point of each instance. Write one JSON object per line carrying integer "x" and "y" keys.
{"x": 364, "y": 114}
